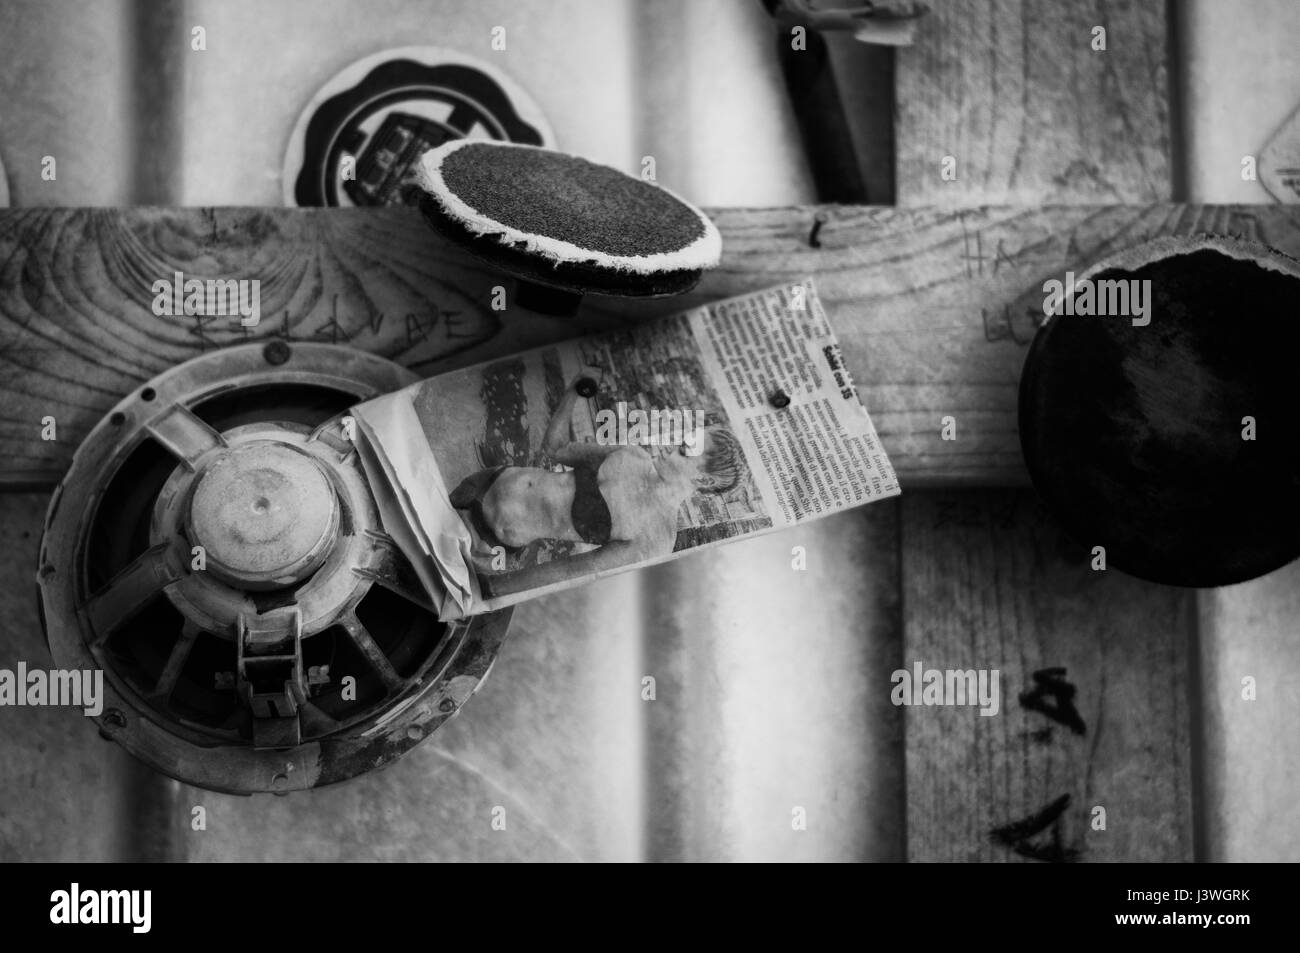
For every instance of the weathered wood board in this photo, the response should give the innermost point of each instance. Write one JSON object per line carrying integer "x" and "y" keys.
{"x": 935, "y": 308}
{"x": 1093, "y": 692}
{"x": 1019, "y": 93}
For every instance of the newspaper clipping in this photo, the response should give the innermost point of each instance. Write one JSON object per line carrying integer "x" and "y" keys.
{"x": 559, "y": 465}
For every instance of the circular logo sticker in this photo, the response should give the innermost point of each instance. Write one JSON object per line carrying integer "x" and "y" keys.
{"x": 361, "y": 135}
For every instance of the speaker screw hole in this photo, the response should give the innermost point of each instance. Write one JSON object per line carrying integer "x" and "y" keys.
{"x": 277, "y": 352}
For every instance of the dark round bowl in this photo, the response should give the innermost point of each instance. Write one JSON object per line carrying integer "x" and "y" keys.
{"x": 1135, "y": 435}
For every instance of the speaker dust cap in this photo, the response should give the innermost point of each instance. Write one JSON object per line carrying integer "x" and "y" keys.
{"x": 1167, "y": 429}
{"x": 265, "y": 514}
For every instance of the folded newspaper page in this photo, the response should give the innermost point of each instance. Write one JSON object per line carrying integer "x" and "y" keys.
{"x": 563, "y": 464}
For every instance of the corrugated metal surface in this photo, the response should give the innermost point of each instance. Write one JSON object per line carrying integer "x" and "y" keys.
{"x": 762, "y": 672}
{"x": 1251, "y": 752}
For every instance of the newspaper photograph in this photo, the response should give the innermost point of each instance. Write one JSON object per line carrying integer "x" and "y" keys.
{"x": 556, "y": 466}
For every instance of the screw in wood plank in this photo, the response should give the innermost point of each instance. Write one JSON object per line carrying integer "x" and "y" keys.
{"x": 818, "y": 221}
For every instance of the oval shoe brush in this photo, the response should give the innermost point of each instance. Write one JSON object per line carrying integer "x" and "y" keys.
{"x": 564, "y": 222}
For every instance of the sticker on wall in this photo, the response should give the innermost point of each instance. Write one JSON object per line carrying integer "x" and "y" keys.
{"x": 360, "y": 136}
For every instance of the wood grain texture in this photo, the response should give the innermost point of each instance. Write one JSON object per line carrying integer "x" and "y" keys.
{"x": 1014, "y": 91}
{"x": 934, "y": 308}
{"x": 991, "y": 582}
{"x": 1031, "y": 113}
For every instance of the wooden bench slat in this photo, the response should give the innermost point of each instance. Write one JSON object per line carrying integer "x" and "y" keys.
{"x": 934, "y": 308}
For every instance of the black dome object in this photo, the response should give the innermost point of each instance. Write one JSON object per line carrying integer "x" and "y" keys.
{"x": 565, "y": 222}
{"x": 1136, "y": 434}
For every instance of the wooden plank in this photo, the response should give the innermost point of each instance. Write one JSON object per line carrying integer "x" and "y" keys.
{"x": 1016, "y": 93}
{"x": 1030, "y": 112}
{"x": 991, "y": 582}
{"x": 935, "y": 308}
